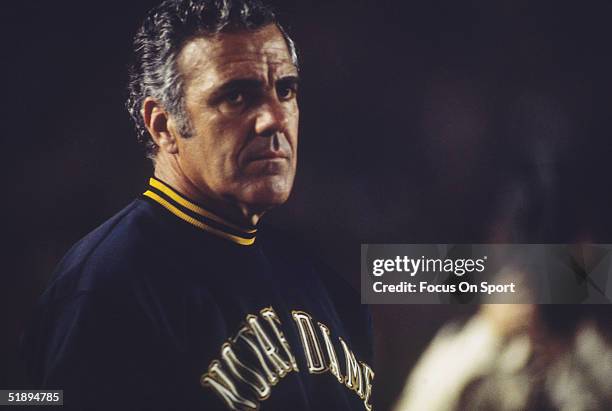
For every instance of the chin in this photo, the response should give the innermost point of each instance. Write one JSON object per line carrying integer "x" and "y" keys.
{"x": 269, "y": 194}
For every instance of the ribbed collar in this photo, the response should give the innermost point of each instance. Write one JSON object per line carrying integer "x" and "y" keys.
{"x": 197, "y": 215}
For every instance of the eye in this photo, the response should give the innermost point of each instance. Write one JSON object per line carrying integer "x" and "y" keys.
{"x": 234, "y": 101}
{"x": 286, "y": 91}
{"x": 235, "y": 98}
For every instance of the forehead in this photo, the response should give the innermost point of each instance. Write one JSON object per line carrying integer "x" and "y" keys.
{"x": 235, "y": 54}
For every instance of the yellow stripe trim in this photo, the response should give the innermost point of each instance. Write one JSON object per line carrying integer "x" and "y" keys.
{"x": 193, "y": 207}
{"x": 197, "y": 223}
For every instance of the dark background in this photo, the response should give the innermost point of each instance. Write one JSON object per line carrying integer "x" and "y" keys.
{"x": 422, "y": 122}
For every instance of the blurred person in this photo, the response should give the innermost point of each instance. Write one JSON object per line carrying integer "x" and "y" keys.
{"x": 178, "y": 302}
{"x": 517, "y": 357}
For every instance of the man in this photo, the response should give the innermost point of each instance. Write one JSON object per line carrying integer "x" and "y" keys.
{"x": 178, "y": 302}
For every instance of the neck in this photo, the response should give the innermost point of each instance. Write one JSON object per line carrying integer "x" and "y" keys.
{"x": 238, "y": 213}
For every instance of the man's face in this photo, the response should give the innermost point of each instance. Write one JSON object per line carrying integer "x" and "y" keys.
{"x": 240, "y": 95}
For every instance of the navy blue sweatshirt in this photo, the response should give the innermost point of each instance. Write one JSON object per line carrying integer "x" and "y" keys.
{"x": 168, "y": 306}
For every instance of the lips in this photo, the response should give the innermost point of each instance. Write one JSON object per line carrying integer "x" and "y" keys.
{"x": 268, "y": 155}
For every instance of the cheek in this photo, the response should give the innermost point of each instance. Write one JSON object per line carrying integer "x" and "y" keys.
{"x": 293, "y": 127}
{"x": 195, "y": 157}
{"x": 230, "y": 138}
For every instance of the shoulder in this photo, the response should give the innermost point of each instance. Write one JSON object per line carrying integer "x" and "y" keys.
{"x": 102, "y": 259}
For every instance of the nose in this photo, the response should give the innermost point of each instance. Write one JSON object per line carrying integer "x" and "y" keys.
{"x": 271, "y": 118}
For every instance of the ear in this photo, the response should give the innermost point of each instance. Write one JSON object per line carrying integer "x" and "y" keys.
{"x": 159, "y": 124}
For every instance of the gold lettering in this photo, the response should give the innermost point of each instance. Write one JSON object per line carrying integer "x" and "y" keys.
{"x": 270, "y": 316}
{"x": 222, "y": 385}
{"x": 270, "y": 350}
{"x": 312, "y": 348}
{"x": 245, "y": 374}
{"x": 334, "y": 366}
{"x": 242, "y": 335}
{"x": 368, "y": 376}
{"x": 353, "y": 378}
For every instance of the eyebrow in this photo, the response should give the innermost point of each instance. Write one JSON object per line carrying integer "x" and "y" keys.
{"x": 247, "y": 84}
{"x": 291, "y": 79}
{"x": 239, "y": 83}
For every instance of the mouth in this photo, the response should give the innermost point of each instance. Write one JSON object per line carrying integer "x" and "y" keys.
{"x": 267, "y": 163}
{"x": 268, "y": 157}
